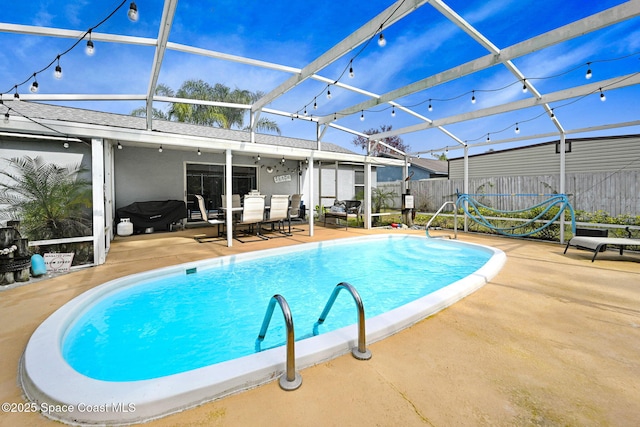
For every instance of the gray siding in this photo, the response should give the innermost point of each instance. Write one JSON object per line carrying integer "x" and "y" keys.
{"x": 587, "y": 155}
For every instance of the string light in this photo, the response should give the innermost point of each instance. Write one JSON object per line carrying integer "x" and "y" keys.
{"x": 552, "y": 114}
{"x": 382, "y": 42}
{"x": 6, "y": 117}
{"x": 34, "y": 85}
{"x": 199, "y": 152}
{"x": 488, "y": 138}
{"x": 16, "y": 96}
{"x": 133, "y": 12}
{"x": 160, "y": 149}
{"x": 362, "y": 115}
{"x": 393, "y": 111}
{"x": 589, "y": 74}
{"x": 90, "y": 50}
{"x": 524, "y": 86}
{"x": 58, "y": 71}
{"x": 430, "y": 106}
{"x": 315, "y": 104}
{"x": 66, "y": 144}
{"x": 517, "y": 129}
{"x": 119, "y": 146}
{"x": 602, "y": 97}
{"x": 328, "y": 92}
{"x": 351, "y": 73}
{"x": 282, "y": 161}
{"x": 473, "y": 97}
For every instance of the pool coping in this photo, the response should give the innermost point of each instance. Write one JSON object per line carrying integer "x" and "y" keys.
{"x": 63, "y": 394}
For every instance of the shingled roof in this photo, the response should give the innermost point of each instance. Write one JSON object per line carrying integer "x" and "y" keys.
{"x": 36, "y": 111}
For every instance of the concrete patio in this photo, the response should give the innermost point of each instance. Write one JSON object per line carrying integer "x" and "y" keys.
{"x": 553, "y": 340}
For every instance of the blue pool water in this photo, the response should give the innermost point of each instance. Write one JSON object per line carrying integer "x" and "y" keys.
{"x": 181, "y": 322}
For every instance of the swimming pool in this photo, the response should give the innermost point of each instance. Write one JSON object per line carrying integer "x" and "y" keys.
{"x": 57, "y": 367}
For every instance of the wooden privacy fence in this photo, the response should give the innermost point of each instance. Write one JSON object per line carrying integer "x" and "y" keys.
{"x": 614, "y": 193}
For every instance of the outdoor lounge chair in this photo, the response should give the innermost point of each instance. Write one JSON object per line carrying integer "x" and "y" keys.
{"x": 599, "y": 244}
{"x": 217, "y": 221}
{"x": 343, "y": 210}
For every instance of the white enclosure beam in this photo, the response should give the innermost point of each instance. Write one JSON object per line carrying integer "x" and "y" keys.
{"x": 399, "y": 10}
{"x": 168, "y": 13}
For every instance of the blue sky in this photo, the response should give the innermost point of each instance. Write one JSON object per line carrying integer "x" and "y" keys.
{"x": 295, "y": 33}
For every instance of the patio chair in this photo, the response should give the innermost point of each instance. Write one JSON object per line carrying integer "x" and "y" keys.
{"x": 217, "y": 221}
{"x": 344, "y": 210}
{"x": 252, "y": 215}
{"x": 235, "y": 205}
{"x": 294, "y": 210}
{"x": 279, "y": 211}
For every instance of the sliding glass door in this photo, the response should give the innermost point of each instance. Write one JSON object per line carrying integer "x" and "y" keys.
{"x": 208, "y": 181}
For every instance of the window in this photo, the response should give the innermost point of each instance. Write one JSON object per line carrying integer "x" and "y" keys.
{"x": 359, "y": 183}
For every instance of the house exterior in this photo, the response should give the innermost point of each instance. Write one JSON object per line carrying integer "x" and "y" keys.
{"x": 599, "y": 174}
{"x": 582, "y": 155}
{"x": 419, "y": 168}
{"x": 174, "y": 161}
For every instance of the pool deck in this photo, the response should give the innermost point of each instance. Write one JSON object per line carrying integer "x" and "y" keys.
{"x": 553, "y": 339}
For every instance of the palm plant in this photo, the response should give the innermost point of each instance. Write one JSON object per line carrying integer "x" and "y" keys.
{"x": 50, "y": 200}
{"x": 210, "y": 115}
{"x": 156, "y": 113}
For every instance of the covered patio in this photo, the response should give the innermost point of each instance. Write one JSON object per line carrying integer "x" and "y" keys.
{"x": 552, "y": 340}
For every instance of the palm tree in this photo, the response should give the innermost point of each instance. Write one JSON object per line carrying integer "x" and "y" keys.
{"x": 50, "y": 200}
{"x": 162, "y": 90}
{"x": 209, "y": 115}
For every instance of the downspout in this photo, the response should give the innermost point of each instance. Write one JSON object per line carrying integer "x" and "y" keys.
{"x": 367, "y": 194}
{"x": 98, "y": 199}
{"x": 311, "y": 195}
{"x": 465, "y": 188}
{"x": 228, "y": 180}
{"x": 562, "y": 179}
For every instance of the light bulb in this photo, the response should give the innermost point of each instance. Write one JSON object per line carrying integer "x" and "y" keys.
{"x": 473, "y": 98}
{"x": 430, "y": 106}
{"x": 282, "y": 160}
{"x": 488, "y": 138}
{"x": 315, "y": 104}
{"x": 119, "y": 146}
{"x": 328, "y": 94}
{"x": 6, "y": 117}
{"x": 90, "y": 50}
{"x": 258, "y": 158}
{"x": 382, "y": 42}
{"x": 602, "y": 97}
{"x": 133, "y": 12}
{"x": 34, "y": 87}
{"x": 58, "y": 72}
{"x": 517, "y": 129}
{"x": 393, "y": 112}
{"x": 65, "y": 145}
{"x": 362, "y": 116}
{"x": 199, "y": 152}
{"x": 588, "y": 75}
{"x": 524, "y": 88}
{"x": 351, "y": 73}
{"x": 160, "y": 149}
{"x": 16, "y": 96}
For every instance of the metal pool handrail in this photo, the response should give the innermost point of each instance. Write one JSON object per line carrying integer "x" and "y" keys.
{"x": 290, "y": 380}
{"x": 361, "y": 352}
{"x": 455, "y": 218}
